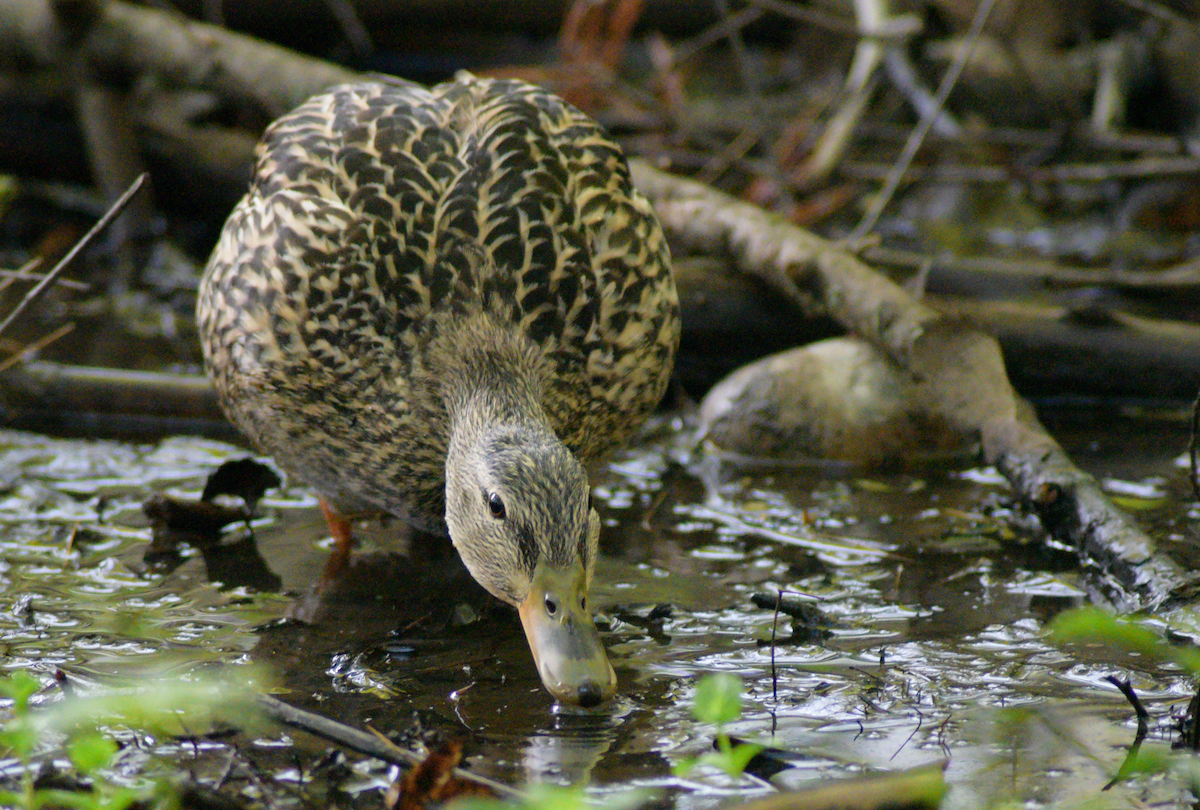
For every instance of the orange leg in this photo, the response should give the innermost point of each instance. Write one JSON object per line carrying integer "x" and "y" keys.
{"x": 339, "y": 526}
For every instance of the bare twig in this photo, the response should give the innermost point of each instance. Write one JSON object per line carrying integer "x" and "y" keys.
{"x": 809, "y": 16}
{"x": 1143, "y": 716}
{"x": 36, "y": 346}
{"x": 25, "y": 273}
{"x": 775, "y": 624}
{"x": 1143, "y": 726}
{"x": 904, "y": 77}
{"x": 858, "y": 89}
{"x": 1193, "y": 475}
{"x": 1159, "y": 10}
{"x": 1061, "y": 173}
{"x": 362, "y": 741}
{"x": 1141, "y": 143}
{"x": 880, "y": 200}
{"x": 715, "y": 33}
{"x": 738, "y": 46}
{"x": 65, "y": 262}
{"x": 352, "y": 27}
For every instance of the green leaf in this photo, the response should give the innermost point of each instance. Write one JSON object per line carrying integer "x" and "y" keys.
{"x": 538, "y": 796}
{"x": 718, "y": 698}
{"x": 1096, "y": 626}
{"x": 19, "y": 686}
{"x": 734, "y": 761}
{"x": 91, "y": 751}
{"x": 124, "y": 798}
{"x": 19, "y": 737}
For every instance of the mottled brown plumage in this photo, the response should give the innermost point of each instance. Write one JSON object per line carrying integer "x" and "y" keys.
{"x": 433, "y": 298}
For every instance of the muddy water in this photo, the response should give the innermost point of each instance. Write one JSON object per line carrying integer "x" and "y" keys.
{"x": 934, "y": 592}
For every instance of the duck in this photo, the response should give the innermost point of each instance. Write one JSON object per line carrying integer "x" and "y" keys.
{"x": 442, "y": 304}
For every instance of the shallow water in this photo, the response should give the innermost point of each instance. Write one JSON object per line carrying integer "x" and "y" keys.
{"x": 936, "y": 594}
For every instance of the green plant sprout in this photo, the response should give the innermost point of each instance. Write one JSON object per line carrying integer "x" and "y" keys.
{"x": 718, "y": 701}
{"x": 169, "y": 707}
{"x": 557, "y": 797}
{"x": 1091, "y": 625}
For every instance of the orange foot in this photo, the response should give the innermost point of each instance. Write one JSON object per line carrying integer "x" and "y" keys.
{"x": 311, "y": 606}
{"x": 339, "y": 527}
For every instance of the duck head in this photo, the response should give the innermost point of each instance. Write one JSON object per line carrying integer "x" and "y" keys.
{"x": 519, "y": 512}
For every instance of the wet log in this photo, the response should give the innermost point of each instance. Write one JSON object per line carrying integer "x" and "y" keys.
{"x": 961, "y": 366}
{"x": 1058, "y": 351}
{"x": 55, "y": 398}
{"x": 126, "y": 39}
{"x": 529, "y": 16}
{"x": 730, "y": 320}
{"x": 1050, "y": 351}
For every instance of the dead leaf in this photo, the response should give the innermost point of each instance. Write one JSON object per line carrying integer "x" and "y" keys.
{"x": 433, "y": 781}
{"x": 245, "y": 478}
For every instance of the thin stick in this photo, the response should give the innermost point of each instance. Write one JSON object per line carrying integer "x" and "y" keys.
{"x": 830, "y": 22}
{"x": 1143, "y": 716}
{"x": 63, "y": 263}
{"x": 25, "y": 271}
{"x": 352, "y": 28}
{"x": 363, "y": 742}
{"x": 911, "y": 146}
{"x": 37, "y": 345}
{"x": 1193, "y": 475}
{"x": 774, "y": 674}
{"x": 738, "y": 46}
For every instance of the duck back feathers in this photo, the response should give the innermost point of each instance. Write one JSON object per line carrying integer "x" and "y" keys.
{"x": 384, "y": 224}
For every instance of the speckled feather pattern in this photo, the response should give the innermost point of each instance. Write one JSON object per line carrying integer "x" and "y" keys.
{"x": 386, "y": 228}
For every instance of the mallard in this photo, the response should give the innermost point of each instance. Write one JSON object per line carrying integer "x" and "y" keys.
{"x": 438, "y": 304}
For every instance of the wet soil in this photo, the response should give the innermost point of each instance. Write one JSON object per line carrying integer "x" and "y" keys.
{"x": 934, "y": 593}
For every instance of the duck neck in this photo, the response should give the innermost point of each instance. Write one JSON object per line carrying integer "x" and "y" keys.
{"x": 492, "y": 380}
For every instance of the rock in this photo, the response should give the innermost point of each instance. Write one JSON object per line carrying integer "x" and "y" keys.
{"x": 835, "y": 400}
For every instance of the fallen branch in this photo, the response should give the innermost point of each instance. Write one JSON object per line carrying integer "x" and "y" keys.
{"x": 731, "y": 319}
{"x": 127, "y": 38}
{"x": 110, "y": 402}
{"x": 960, "y": 362}
{"x": 364, "y": 742}
{"x": 111, "y": 390}
{"x": 1134, "y": 169}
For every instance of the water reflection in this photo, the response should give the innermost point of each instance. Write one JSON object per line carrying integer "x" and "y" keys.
{"x": 567, "y": 752}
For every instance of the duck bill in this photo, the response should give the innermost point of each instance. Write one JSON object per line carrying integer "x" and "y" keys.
{"x": 566, "y": 646}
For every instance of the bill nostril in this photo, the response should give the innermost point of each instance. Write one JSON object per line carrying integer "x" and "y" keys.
{"x": 589, "y": 694}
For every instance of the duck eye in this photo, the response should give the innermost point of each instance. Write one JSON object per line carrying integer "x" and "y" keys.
{"x": 496, "y": 506}
{"x": 551, "y": 607}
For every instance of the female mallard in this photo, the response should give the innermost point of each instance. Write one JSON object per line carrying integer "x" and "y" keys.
{"x": 437, "y": 303}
